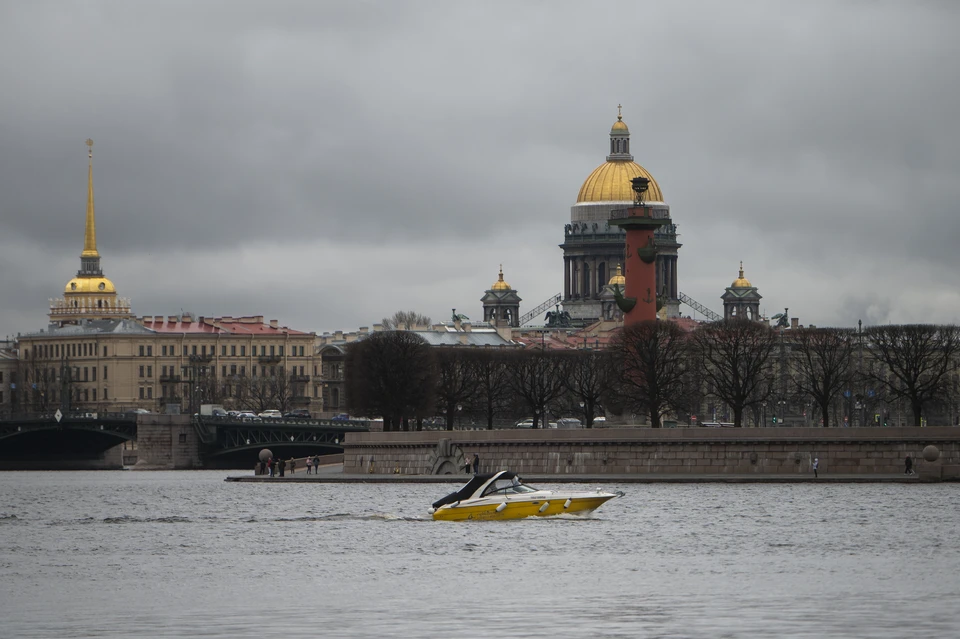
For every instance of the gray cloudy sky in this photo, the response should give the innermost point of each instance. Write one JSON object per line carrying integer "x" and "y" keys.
{"x": 329, "y": 163}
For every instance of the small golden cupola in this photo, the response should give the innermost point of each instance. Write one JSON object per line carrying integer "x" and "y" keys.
{"x": 618, "y": 279}
{"x": 741, "y": 282}
{"x": 501, "y": 304}
{"x": 89, "y": 295}
{"x": 500, "y": 285}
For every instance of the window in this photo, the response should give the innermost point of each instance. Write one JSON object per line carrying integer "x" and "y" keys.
{"x": 104, "y": 354}
{"x": 85, "y": 373}
{"x": 315, "y": 390}
{"x": 104, "y": 379}
{"x": 163, "y": 391}
{"x": 194, "y": 349}
{"x": 233, "y": 350}
{"x": 149, "y": 351}
{"x": 104, "y": 393}
{"x": 233, "y": 369}
{"x": 301, "y": 371}
{"x": 150, "y": 393}
{"x": 141, "y": 351}
{"x": 149, "y": 371}
{"x": 223, "y": 350}
{"x": 182, "y": 438}
{"x": 203, "y": 350}
{"x": 83, "y": 347}
{"x": 93, "y": 373}
{"x": 141, "y": 392}
{"x": 224, "y": 371}
{"x": 141, "y": 371}
{"x": 243, "y": 351}
{"x": 94, "y": 394}
{"x": 243, "y": 371}
{"x": 272, "y": 353}
{"x": 86, "y": 395}
{"x": 280, "y": 352}
{"x": 184, "y": 349}
{"x": 163, "y": 350}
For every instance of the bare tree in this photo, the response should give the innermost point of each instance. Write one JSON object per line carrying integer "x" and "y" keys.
{"x": 536, "y": 377}
{"x": 653, "y": 359}
{"x": 588, "y": 374}
{"x": 456, "y": 384}
{"x": 256, "y": 393}
{"x": 735, "y": 355}
{"x": 824, "y": 366}
{"x": 392, "y": 375}
{"x": 491, "y": 374}
{"x": 406, "y": 319}
{"x": 281, "y": 389}
{"x": 919, "y": 359}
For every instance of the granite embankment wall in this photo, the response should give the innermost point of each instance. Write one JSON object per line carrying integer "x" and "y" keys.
{"x": 646, "y": 450}
{"x": 166, "y": 442}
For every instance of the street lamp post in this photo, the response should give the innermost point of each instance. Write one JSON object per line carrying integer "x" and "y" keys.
{"x": 583, "y": 412}
{"x": 459, "y": 411}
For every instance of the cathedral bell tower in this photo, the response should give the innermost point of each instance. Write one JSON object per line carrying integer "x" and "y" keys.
{"x": 501, "y": 304}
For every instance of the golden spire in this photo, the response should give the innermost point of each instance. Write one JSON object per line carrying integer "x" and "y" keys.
{"x": 619, "y": 114}
{"x": 90, "y": 232}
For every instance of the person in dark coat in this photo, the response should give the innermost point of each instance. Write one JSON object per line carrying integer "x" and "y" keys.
{"x": 476, "y": 463}
{"x": 908, "y": 466}
{"x": 281, "y": 465}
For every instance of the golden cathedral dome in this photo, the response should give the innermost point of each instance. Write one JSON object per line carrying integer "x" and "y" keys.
{"x": 619, "y": 125}
{"x": 618, "y": 279}
{"x": 89, "y": 285}
{"x": 741, "y": 282}
{"x": 500, "y": 285}
{"x": 610, "y": 182}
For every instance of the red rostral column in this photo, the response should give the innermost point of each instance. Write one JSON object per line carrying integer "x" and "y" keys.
{"x": 639, "y": 301}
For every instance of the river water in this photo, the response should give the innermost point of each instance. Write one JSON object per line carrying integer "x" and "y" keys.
{"x": 185, "y": 554}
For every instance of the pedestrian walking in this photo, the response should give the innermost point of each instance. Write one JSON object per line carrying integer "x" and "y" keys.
{"x": 281, "y": 465}
{"x": 908, "y": 466}
{"x": 293, "y": 466}
{"x": 309, "y": 464}
{"x": 476, "y": 463}
{"x": 316, "y": 464}
{"x": 816, "y": 466}
{"x": 270, "y": 466}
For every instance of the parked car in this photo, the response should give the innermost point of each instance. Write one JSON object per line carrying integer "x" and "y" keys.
{"x": 568, "y": 422}
{"x": 247, "y": 415}
{"x": 525, "y": 423}
{"x": 271, "y": 414}
{"x": 342, "y": 417}
{"x": 298, "y": 413}
{"x": 139, "y": 411}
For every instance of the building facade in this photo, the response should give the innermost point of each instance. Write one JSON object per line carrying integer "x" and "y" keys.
{"x": 96, "y": 356}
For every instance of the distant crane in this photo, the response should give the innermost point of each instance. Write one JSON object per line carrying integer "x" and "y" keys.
{"x": 700, "y": 308}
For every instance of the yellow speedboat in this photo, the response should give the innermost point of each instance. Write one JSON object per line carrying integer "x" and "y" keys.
{"x": 503, "y": 495}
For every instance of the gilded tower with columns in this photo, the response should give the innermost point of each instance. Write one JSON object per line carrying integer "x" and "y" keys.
{"x": 741, "y": 299}
{"x": 89, "y": 295}
{"x": 592, "y": 247}
{"x": 501, "y": 304}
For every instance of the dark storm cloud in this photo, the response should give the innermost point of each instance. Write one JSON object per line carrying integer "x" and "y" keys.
{"x": 329, "y": 163}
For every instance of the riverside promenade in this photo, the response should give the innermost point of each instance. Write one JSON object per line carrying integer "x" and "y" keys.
{"x": 333, "y": 474}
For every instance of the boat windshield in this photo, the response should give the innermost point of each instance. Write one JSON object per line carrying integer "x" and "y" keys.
{"x": 507, "y": 487}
